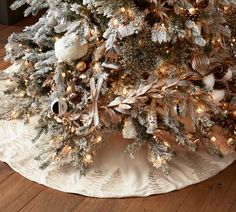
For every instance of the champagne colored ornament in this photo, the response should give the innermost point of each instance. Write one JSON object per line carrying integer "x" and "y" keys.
{"x": 81, "y": 66}
{"x": 193, "y": 11}
{"x": 200, "y": 63}
{"x": 75, "y": 97}
{"x": 209, "y": 81}
{"x": 70, "y": 89}
{"x": 59, "y": 107}
{"x": 193, "y": 14}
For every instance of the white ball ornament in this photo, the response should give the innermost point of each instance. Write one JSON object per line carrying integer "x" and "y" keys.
{"x": 209, "y": 81}
{"x": 70, "y": 47}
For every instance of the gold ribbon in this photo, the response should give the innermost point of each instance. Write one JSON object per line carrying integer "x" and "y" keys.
{"x": 95, "y": 92}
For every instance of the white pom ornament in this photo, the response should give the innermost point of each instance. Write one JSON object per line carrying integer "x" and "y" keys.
{"x": 218, "y": 95}
{"x": 70, "y": 47}
{"x": 209, "y": 81}
{"x": 229, "y": 75}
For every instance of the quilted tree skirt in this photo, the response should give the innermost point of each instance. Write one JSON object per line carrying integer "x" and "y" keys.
{"x": 113, "y": 174}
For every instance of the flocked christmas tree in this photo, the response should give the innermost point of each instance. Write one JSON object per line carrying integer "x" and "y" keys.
{"x": 144, "y": 68}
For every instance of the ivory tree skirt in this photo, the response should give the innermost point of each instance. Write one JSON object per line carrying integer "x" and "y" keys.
{"x": 113, "y": 174}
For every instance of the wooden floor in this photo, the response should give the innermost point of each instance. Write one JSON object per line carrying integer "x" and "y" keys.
{"x": 19, "y": 194}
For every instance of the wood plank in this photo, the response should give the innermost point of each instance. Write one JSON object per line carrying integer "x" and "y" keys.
{"x": 213, "y": 194}
{"x": 101, "y": 205}
{"x": 233, "y": 207}
{"x": 176, "y": 198}
{"x": 8, "y": 31}
{"x": 152, "y": 203}
{"x": 5, "y": 171}
{"x": 2, "y": 27}
{"x": 51, "y": 200}
{"x": 16, "y": 191}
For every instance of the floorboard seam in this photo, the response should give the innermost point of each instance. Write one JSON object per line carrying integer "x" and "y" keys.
{"x": 7, "y": 178}
{"x": 30, "y": 200}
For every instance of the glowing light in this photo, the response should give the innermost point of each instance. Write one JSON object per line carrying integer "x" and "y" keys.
{"x": 122, "y": 9}
{"x": 99, "y": 139}
{"x": 166, "y": 144}
{"x": 226, "y": 9}
{"x": 97, "y": 67}
{"x": 56, "y": 38}
{"x": 213, "y": 139}
{"x": 88, "y": 158}
{"x": 125, "y": 91}
{"x": 115, "y": 22}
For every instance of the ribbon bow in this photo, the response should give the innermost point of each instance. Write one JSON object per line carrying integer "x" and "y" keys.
{"x": 95, "y": 92}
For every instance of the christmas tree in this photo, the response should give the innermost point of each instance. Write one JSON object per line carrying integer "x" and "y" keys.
{"x": 149, "y": 69}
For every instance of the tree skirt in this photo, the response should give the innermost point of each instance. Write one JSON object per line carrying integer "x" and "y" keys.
{"x": 113, "y": 174}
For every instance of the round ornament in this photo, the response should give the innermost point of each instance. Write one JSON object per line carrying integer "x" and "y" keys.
{"x": 200, "y": 63}
{"x": 75, "y": 97}
{"x": 81, "y": 66}
{"x": 70, "y": 47}
{"x": 193, "y": 14}
{"x": 70, "y": 89}
{"x": 59, "y": 107}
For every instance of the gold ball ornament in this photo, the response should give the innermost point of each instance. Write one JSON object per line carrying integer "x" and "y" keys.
{"x": 81, "y": 66}
{"x": 193, "y": 11}
{"x": 70, "y": 89}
